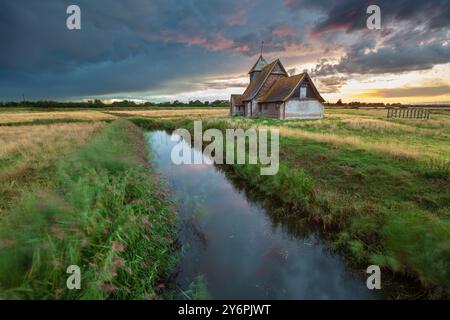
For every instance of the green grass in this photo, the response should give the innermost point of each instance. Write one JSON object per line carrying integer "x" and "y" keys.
{"x": 104, "y": 213}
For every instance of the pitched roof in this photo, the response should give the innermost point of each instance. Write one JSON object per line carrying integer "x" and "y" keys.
{"x": 259, "y": 65}
{"x": 284, "y": 88}
{"x": 255, "y": 85}
{"x": 236, "y": 99}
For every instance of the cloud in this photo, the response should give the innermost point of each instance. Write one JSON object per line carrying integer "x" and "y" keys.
{"x": 408, "y": 92}
{"x": 331, "y": 84}
{"x": 390, "y": 59}
{"x": 283, "y": 31}
{"x": 169, "y": 46}
{"x": 351, "y": 15}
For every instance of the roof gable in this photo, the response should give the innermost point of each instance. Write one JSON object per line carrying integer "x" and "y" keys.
{"x": 285, "y": 88}
{"x": 255, "y": 86}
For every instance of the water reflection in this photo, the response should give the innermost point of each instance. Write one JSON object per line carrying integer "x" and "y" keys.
{"x": 240, "y": 252}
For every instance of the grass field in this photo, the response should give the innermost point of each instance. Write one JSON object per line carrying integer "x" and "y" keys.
{"x": 379, "y": 188}
{"x": 28, "y": 154}
{"x": 82, "y": 194}
{"x": 10, "y": 117}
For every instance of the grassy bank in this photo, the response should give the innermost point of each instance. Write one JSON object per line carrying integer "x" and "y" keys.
{"x": 377, "y": 206}
{"x": 105, "y": 213}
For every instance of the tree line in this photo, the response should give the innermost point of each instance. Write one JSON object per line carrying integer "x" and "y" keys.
{"x": 120, "y": 104}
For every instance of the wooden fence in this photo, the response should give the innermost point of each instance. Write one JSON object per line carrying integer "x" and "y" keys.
{"x": 409, "y": 113}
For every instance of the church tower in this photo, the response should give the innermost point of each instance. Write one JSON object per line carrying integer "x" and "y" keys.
{"x": 258, "y": 66}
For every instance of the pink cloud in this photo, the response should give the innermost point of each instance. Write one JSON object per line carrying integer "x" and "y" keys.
{"x": 283, "y": 31}
{"x": 216, "y": 44}
{"x": 237, "y": 19}
{"x": 241, "y": 49}
{"x": 219, "y": 43}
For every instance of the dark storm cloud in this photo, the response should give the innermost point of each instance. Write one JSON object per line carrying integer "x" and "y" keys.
{"x": 128, "y": 45}
{"x": 389, "y": 59}
{"x": 414, "y": 36}
{"x": 161, "y": 46}
{"x": 350, "y": 15}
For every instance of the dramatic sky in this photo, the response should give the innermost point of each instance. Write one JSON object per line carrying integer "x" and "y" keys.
{"x": 162, "y": 50}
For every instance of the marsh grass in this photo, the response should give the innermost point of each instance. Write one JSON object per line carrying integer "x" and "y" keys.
{"x": 28, "y": 154}
{"x": 174, "y": 114}
{"x": 24, "y": 117}
{"x": 104, "y": 213}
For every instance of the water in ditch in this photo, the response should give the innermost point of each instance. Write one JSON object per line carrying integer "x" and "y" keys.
{"x": 233, "y": 248}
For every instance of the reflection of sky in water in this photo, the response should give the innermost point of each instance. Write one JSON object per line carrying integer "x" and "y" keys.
{"x": 239, "y": 250}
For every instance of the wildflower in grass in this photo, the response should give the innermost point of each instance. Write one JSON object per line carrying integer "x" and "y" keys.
{"x": 119, "y": 247}
{"x": 145, "y": 221}
{"x": 118, "y": 262}
{"x": 108, "y": 287}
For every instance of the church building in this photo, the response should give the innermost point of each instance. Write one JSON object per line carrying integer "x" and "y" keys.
{"x": 273, "y": 93}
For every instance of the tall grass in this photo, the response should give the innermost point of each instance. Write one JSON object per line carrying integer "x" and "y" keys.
{"x": 28, "y": 154}
{"x": 10, "y": 118}
{"x": 418, "y": 244}
{"x": 105, "y": 214}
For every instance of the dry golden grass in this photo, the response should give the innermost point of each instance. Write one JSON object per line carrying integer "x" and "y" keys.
{"x": 439, "y": 118}
{"x": 29, "y": 139}
{"x": 175, "y": 114}
{"x": 351, "y": 113}
{"x": 42, "y": 143}
{"x": 370, "y": 130}
{"x": 31, "y": 116}
{"x": 377, "y": 124}
{"x": 394, "y": 149}
{"x": 28, "y": 152}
